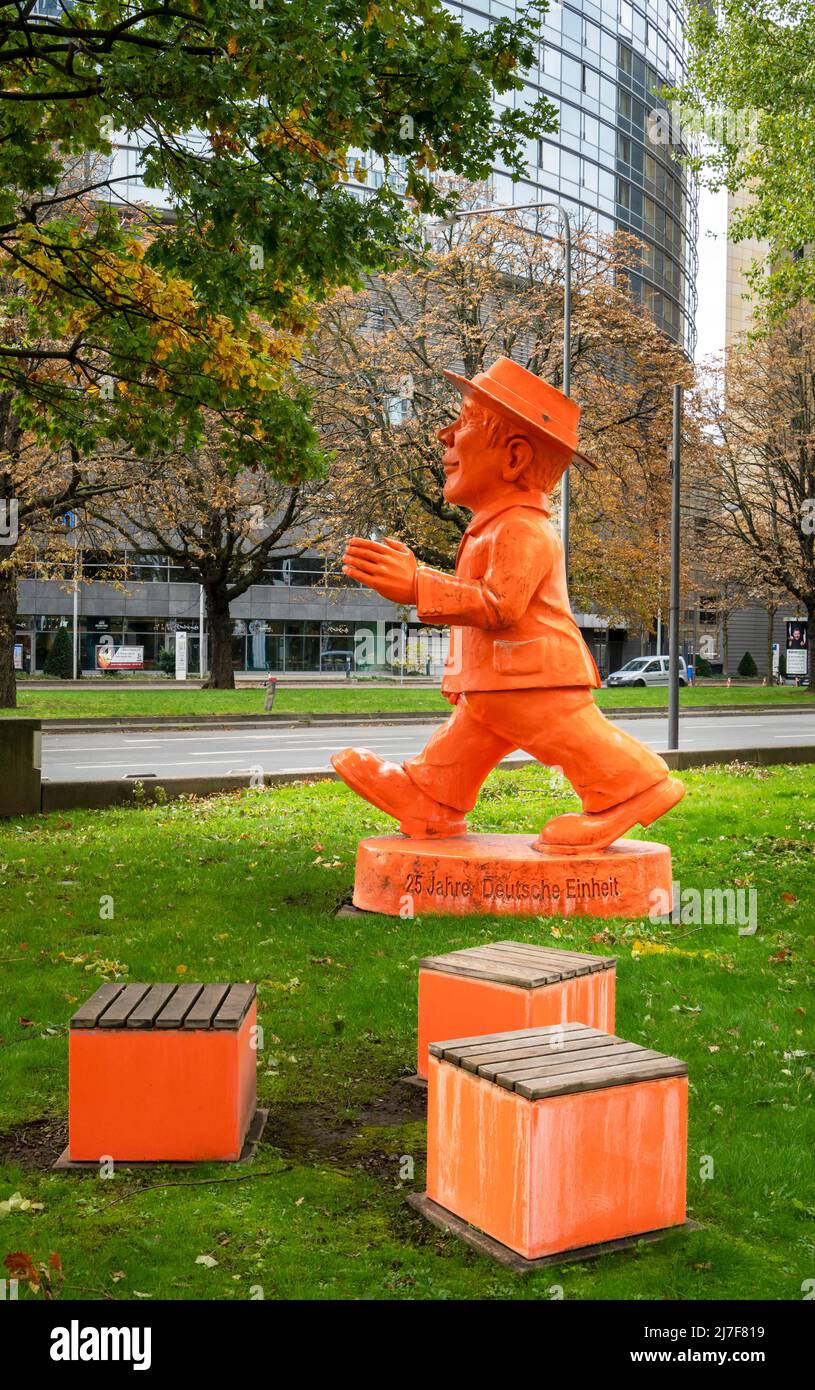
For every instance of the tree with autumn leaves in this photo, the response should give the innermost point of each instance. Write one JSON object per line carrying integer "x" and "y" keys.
{"x": 755, "y": 475}
{"x": 749, "y": 78}
{"x": 224, "y": 528}
{"x": 124, "y": 328}
{"x": 488, "y": 286}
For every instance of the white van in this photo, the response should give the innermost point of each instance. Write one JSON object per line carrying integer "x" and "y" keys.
{"x": 647, "y": 670}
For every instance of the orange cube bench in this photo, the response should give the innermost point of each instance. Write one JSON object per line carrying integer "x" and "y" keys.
{"x": 555, "y": 1139}
{"x": 162, "y": 1072}
{"x": 511, "y": 984}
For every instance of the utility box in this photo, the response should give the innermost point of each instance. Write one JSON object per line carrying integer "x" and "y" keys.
{"x": 20, "y": 766}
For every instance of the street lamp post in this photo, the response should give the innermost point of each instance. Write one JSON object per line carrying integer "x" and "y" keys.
{"x": 567, "y": 325}
{"x": 75, "y": 614}
{"x": 673, "y": 625}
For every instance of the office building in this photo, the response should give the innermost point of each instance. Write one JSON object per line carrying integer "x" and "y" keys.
{"x": 602, "y": 65}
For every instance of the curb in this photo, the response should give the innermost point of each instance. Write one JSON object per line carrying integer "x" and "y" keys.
{"x": 171, "y": 722}
{"x": 73, "y": 796}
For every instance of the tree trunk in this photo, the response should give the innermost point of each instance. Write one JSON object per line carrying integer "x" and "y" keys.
{"x": 770, "y": 622}
{"x": 726, "y": 644}
{"x": 810, "y": 634}
{"x": 219, "y": 622}
{"x": 8, "y": 628}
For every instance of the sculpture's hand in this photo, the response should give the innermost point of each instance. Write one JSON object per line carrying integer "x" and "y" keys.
{"x": 389, "y": 567}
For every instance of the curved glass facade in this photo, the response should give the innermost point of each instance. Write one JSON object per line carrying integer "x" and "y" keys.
{"x": 600, "y": 64}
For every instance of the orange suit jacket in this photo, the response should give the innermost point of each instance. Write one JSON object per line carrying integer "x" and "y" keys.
{"x": 511, "y": 627}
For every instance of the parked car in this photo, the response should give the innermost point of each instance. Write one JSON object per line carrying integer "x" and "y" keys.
{"x": 647, "y": 670}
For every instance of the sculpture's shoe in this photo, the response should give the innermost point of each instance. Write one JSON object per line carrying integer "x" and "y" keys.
{"x": 388, "y": 787}
{"x": 583, "y": 834}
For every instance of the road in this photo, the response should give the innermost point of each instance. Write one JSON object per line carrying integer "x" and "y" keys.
{"x": 103, "y": 754}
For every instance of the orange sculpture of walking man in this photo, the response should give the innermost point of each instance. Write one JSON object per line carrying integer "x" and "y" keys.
{"x": 519, "y": 674}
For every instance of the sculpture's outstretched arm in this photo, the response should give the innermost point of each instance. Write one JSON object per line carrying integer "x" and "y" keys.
{"x": 519, "y": 559}
{"x": 389, "y": 567}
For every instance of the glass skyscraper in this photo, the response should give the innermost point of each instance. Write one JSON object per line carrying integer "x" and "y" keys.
{"x": 601, "y": 65}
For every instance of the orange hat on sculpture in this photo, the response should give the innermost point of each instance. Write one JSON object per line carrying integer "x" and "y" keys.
{"x": 517, "y": 394}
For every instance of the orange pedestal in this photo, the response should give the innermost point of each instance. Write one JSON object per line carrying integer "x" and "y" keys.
{"x": 510, "y": 985}
{"x": 554, "y": 1139}
{"x": 502, "y": 875}
{"x": 162, "y": 1072}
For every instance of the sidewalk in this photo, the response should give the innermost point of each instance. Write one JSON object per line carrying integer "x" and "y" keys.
{"x": 255, "y": 680}
{"x": 293, "y": 720}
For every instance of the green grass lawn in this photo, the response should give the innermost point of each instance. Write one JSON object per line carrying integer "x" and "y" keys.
{"x": 244, "y": 887}
{"x": 72, "y": 704}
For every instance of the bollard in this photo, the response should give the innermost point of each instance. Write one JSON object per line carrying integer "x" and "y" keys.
{"x": 21, "y": 761}
{"x": 271, "y": 691}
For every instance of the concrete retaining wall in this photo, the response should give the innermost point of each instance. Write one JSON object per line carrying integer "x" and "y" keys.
{"x": 20, "y": 763}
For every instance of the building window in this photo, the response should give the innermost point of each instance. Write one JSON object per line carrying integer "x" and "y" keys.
{"x": 591, "y": 129}
{"x": 399, "y": 409}
{"x": 607, "y": 184}
{"x": 570, "y": 72}
{"x": 549, "y": 158}
{"x": 591, "y": 36}
{"x": 551, "y": 61}
{"x": 569, "y": 167}
{"x": 572, "y": 25}
{"x": 570, "y": 119}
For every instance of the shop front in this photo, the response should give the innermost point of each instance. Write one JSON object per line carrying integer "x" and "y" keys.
{"x": 262, "y": 646}
{"x": 100, "y": 637}
{"x": 278, "y": 645}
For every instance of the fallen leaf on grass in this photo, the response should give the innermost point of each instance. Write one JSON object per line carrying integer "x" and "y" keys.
{"x": 16, "y": 1202}
{"x": 206, "y": 1260}
{"x": 659, "y": 948}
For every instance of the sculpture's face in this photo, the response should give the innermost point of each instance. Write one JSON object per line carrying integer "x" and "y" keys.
{"x": 471, "y": 463}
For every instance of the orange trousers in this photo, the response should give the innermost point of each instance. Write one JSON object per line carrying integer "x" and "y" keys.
{"x": 562, "y": 728}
